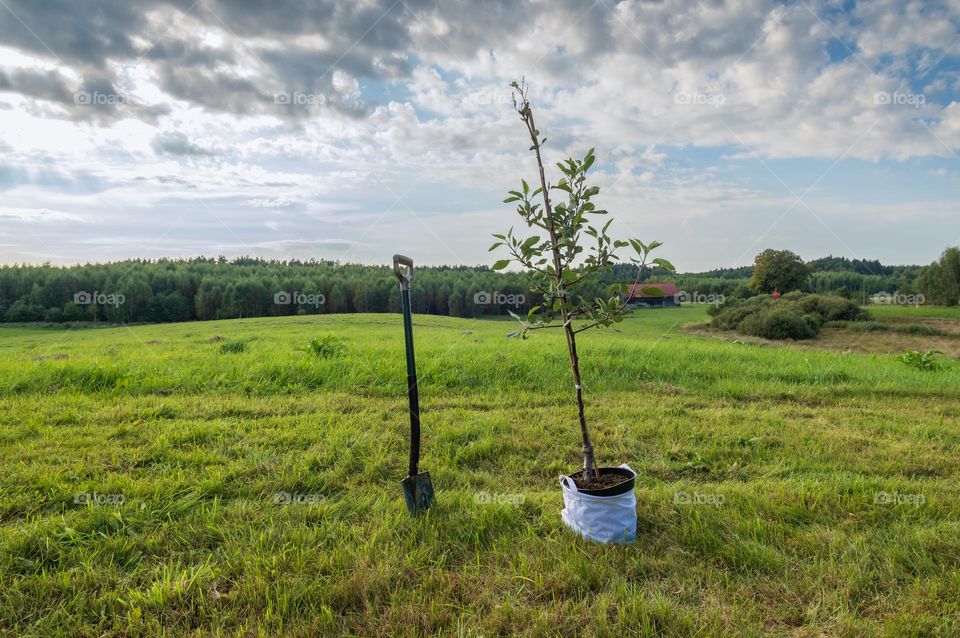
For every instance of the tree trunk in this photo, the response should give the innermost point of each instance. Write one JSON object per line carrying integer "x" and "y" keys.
{"x": 588, "y": 460}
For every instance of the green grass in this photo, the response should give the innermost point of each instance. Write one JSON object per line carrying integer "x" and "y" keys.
{"x": 916, "y": 312}
{"x": 199, "y": 437}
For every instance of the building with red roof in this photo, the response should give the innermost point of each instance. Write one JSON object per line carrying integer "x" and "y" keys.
{"x": 652, "y": 294}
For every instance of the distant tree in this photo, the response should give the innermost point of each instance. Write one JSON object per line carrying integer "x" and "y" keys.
{"x": 174, "y": 307}
{"x": 456, "y": 302}
{"x": 337, "y": 299}
{"x": 73, "y": 312}
{"x": 22, "y": 312}
{"x": 218, "y": 288}
{"x": 778, "y": 270}
{"x": 843, "y": 264}
{"x": 939, "y": 282}
{"x": 208, "y": 302}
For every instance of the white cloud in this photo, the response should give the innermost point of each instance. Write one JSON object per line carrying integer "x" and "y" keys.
{"x": 38, "y": 215}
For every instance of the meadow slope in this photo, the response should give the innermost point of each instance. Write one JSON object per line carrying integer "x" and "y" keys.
{"x": 781, "y": 491}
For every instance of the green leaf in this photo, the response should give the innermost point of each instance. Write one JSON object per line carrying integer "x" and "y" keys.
{"x": 512, "y": 198}
{"x": 666, "y": 265}
{"x": 500, "y": 265}
{"x": 495, "y": 246}
{"x": 530, "y": 241}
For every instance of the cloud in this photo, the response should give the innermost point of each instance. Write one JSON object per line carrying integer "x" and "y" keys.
{"x": 38, "y": 215}
{"x": 176, "y": 143}
{"x": 45, "y": 85}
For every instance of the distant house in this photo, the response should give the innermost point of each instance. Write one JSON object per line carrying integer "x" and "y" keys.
{"x": 649, "y": 295}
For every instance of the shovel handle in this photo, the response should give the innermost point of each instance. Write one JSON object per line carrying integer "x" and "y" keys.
{"x": 405, "y": 276}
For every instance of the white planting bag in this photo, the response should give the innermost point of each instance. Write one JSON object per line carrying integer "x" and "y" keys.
{"x": 603, "y": 519}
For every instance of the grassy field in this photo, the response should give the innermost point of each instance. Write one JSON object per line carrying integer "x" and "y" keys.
{"x": 217, "y": 479}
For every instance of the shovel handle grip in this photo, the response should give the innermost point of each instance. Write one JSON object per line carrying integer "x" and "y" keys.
{"x": 405, "y": 276}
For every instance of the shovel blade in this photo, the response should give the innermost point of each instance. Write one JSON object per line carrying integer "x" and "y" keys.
{"x": 418, "y": 492}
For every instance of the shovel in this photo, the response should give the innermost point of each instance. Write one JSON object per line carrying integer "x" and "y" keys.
{"x": 417, "y": 488}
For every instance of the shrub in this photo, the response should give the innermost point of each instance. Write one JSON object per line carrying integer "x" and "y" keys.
{"x": 731, "y": 312}
{"x": 53, "y": 315}
{"x": 921, "y": 360}
{"x": 780, "y": 323}
{"x": 795, "y": 315}
{"x": 22, "y": 312}
{"x": 831, "y": 308}
{"x": 326, "y": 346}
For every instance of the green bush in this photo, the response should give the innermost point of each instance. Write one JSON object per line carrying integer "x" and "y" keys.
{"x": 795, "y": 315}
{"x": 728, "y": 315}
{"x": 22, "y": 312}
{"x": 921, "y": 360}
{"x": 53, "y": 315}
{"x": 780, "y": 323}
{"x": 830, "y": 308}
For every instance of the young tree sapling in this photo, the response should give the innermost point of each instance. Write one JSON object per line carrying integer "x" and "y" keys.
{"x": 560, "y": 262}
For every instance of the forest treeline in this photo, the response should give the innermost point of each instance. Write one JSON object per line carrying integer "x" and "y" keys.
{"x": 169, "y": 290}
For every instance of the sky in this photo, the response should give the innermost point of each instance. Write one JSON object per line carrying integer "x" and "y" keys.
{"x": 352, "y": 130}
